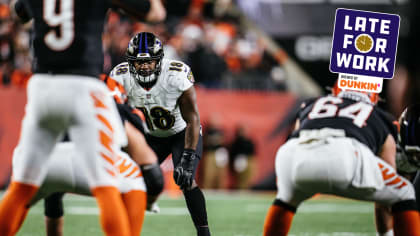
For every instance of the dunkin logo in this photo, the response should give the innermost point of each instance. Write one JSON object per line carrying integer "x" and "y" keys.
{"x": 360, "y": 83}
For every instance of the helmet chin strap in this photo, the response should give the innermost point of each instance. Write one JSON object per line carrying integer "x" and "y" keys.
{"x": 357, "y": 96}
{"x": 147, "y": 81}
{"x": 147, "y": 84}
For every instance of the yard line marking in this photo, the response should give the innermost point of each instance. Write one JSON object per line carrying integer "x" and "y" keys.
{"x": 331, "y": 208}
{"x": 89, "y": 210}
{"x": 318, "y": 208}
{"x": 74, "y": 210}
{"x": 331, "y": 234}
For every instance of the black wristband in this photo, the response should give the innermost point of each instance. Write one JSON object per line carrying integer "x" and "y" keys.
{"x": 405, "y": 205}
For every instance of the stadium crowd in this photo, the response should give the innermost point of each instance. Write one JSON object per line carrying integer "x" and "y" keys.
{"x": 346, "y": 128}
{"x": 208, "y": 38}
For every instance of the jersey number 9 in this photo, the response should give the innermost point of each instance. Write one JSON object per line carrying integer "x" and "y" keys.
{"x": 63, "y": 19}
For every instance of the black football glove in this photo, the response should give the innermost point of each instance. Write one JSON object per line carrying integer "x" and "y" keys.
{"x": 183, "y": 173}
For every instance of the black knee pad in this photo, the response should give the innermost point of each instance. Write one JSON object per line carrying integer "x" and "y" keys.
{"x": 153, "y": 178}
{"x": 285, "y": 205}
{"x": 407, "y": 205}
{"x": 53, "y": 205}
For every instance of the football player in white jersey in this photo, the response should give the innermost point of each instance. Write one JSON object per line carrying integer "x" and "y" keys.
{"x": 163, "y": 90}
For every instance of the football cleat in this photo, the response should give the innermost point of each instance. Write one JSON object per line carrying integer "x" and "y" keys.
{"x": 153, "y": 207}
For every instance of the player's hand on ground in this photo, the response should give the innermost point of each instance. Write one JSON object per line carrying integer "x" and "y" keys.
{"x": 183, "y": 173}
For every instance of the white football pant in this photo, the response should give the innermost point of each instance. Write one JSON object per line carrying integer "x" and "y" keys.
{"x": 65, "y": 173}
{"x": 336, "y": 165}
{"x": 79, "y": 105}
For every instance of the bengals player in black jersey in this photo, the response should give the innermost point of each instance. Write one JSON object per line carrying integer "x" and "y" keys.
{"x": 65, "y": 95}
{"x": 343, "y": 145}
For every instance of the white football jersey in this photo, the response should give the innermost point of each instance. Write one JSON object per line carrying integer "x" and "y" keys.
{"x": 160, "y": 103}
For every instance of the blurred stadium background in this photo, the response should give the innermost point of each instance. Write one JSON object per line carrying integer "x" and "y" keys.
{"x": 253, "y": 62}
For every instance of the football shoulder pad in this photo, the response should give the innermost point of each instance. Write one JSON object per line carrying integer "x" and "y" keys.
{"x": 179, "y": 74}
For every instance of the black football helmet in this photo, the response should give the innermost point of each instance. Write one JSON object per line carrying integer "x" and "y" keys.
{"x": 144, "y": 47}
{"x": 409, "y": 136}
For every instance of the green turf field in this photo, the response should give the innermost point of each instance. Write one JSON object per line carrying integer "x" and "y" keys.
{"x": 230, "y": 214}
